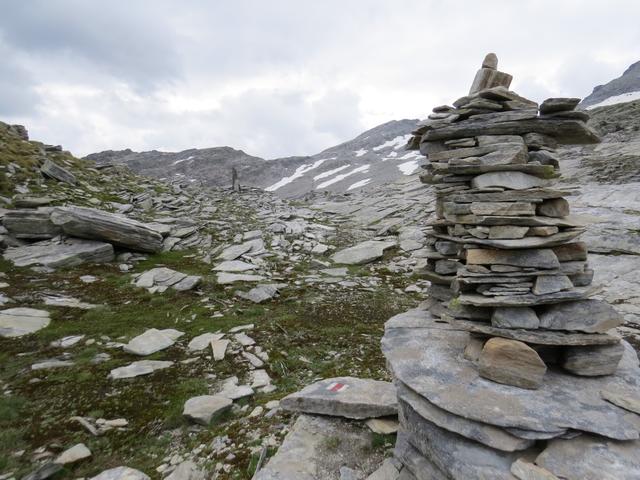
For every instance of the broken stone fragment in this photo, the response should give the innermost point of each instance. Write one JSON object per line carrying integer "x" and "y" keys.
{"x": 553, "y": 105}
{"x": 554, "y": 207}
{"x": 203, "y": 409}
{"x": 591, "y": 316}
{"x": 121, "y": 473}
{"x": 515, "y": 317}
{"x": 55, "y": 171}
{"x": 592, "y": 361}
{"x": 546, "y": 284}
{"x": 511, "y": 362}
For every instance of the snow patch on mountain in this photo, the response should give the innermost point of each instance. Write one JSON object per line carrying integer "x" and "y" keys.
{"x": 359, "y": 184}
{"x": 182, "y": 160}
{"x": 622, "y": 98}
{"x": 328, "y": 173}
{"x": 360, "y": 152}
{"x": 395, "y": 143}
{"x": 300, "y": 171}
{"x": 342, "y": 176}
{"x": 408, "y": 168}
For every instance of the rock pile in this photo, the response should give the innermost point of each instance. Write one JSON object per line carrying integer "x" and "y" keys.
{"x": 512, "y": 371}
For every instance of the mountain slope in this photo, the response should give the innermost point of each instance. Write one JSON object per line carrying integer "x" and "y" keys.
{"x": 373, "y": 158}
{"x": 625, "y": 88}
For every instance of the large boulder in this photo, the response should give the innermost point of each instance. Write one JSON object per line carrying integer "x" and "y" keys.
{"x": 100, "y": 225}
{"x": 67, "y": 253}
{"x": 30, "y": 224}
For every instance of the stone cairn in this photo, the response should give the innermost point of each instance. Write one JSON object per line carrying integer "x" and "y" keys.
{"x": 512, "y": 370}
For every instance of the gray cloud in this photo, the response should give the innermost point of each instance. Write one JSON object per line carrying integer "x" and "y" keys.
{"x": 283, "y": 77}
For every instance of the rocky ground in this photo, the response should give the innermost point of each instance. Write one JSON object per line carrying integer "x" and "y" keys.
{"x": 263, "y": 297}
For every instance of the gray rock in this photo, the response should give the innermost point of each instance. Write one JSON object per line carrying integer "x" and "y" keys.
{"x": 344, "y": 397}
{"x": 160, "y": 276}
{"x": 622, "y": 398}
{"x": 188, "y": 283}
{"x": 416, "y": 465}
{"x": 537, "y": 337}
{"x": 100, "y": 225}
{"x": 537, "y": 258}
{"x": 16, "y": 322}
{"x": 591, "y": 316}
{"x": 121, "y": 473}
{"x": 383, "y": 426}
{"x": 317, "y": 447}
{"x": 483, "y": 433}
{"x": 592, "y": 361}
{"x": 219, "y": 349}
{"x": 387, "y": 471}
{"x": 31, "y": 224}
{"x": 225, "y": 278}
{"x": 68, "y": 253}
{"x": 526, "y": 300}
{"x": 49, "y": 364}
{"x": 552, "y": 105}
{"x": 136, "y": 369}
{"x": 525, "y": 470}
{"x": 186, "y": 470}
{"x": 546, "y": 284}
{"x": 203, "y": 341}
{"x": 234, "y": 266}
{"x": 74, "y": 454}
{"x": 55, "y": 171}
{"x": 514, "y": 317}
{"x": 589, "y": 456}
{"x": 43, "y": 472}
{"x": 362, "y": 253}
{"x": 427, "y": 356}
{"x": 456, "y": 456}
{"x": 259, "y": 294}
{"x": 553, "y": 207}
{"x": 511, "y": 362}
{"x": 510, "y": 180}
{"x": 504, "y": 232}
{"x": 152, "y": 341}
{"x": 204, "y": 408}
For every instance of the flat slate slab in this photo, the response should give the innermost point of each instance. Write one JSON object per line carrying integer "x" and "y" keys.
{"x": 68, "y": 253}
{"x": 16, "y": 322}
{"x": 588, "y": 456}
{"x": 204, "y": 408}
{"x": 427, "y": 356}
{"x": 458, "y": 457}
{"x": 307, "y": 452}
{"x": 362, "y": 253}
{"x": 121, "y": 473}
{"x": 152, "y": 341}
{"x": 347, "y": 397}
{"x": 136, "y": 369}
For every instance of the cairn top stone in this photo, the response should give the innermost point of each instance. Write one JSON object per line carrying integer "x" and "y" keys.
{"x": 490, "y": 61}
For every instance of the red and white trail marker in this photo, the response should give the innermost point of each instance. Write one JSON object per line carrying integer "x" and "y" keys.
{"x": 337, "y": 387}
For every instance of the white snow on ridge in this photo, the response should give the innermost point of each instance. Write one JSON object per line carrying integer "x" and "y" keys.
{"x": 411, "y": 154}
{"x": 328, "y": 173}
{"x": 409, "y": 167}
{"x": 300, "y": 171}
{"x": 342, "y": 176}
{"x": 397, "y": 143}
{"x": 359, "y": 184}
{"x": 360, "y": 152}
{"x": 622, "y": 98}
{"x": 182, "y": 160}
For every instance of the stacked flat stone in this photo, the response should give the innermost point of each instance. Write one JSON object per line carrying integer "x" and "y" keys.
{"x": 513, "y": 371}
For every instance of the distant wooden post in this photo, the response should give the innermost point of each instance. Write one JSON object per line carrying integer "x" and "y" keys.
{"x": 235, "y": 181}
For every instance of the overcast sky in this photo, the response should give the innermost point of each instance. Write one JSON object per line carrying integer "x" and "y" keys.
{"x": 284, "y": 77}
